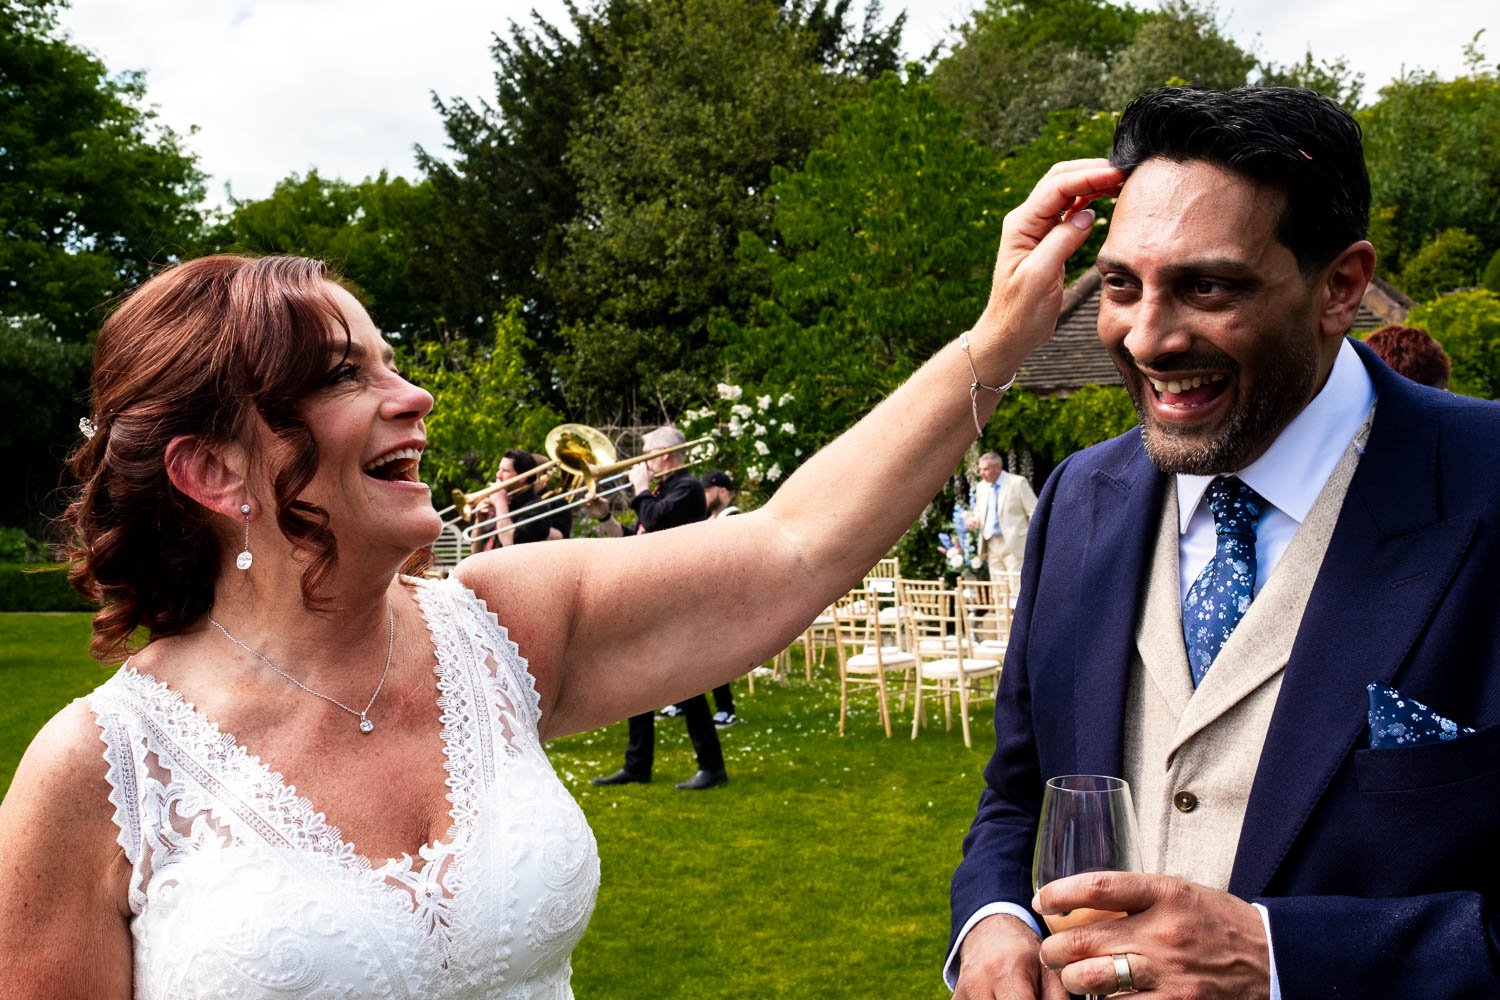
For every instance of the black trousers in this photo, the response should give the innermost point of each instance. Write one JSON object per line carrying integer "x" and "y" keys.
{"x": 640, "y": 752}
{"x": 724, "y": 699}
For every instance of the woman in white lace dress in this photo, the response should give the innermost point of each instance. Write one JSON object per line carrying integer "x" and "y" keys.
{"x": 319, "y": 778}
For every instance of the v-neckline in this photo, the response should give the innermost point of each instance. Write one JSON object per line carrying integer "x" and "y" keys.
{"x": 293, "y": 815}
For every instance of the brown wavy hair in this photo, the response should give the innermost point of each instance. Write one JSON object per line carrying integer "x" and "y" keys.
{"x": 197, "y": 350}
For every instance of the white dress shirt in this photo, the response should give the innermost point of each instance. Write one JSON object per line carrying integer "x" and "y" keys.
{"x": 1289, "y": 476}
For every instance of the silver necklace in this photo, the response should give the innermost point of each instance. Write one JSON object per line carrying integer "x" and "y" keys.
{"x": 365, "y": 725}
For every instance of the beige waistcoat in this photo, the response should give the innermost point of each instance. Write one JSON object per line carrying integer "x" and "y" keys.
{"x": 1203, "y": 746}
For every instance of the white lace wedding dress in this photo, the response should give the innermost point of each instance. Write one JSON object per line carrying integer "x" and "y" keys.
{"x": 241, "y": 889}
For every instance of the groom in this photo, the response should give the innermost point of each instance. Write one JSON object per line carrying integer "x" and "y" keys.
{"x": 1226, "y": 606}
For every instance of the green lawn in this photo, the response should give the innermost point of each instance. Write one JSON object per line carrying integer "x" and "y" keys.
{"x": 821, "y": 870}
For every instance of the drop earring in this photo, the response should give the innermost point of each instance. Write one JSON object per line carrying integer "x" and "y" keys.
{"x": 244, "y": 559}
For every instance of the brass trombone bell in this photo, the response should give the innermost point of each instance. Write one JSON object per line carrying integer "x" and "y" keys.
{"x": 589, "y": 456}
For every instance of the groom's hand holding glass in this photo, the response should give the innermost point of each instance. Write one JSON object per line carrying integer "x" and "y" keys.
{"x": 1181, "y": 938}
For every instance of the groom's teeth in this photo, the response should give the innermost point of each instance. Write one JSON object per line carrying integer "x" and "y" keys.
{"x": 1156, "y": 384}
{"x": 1174, "y": 387}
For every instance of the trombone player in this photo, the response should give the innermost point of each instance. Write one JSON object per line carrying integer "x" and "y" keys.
{"x": 492, "y": 521}
{"x": 677, "y": 500}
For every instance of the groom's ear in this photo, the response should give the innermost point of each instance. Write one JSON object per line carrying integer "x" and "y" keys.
{"x": 212, "y": 474}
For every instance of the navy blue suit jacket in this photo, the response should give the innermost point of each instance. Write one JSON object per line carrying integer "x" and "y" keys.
{"x": 1380, "y": 868}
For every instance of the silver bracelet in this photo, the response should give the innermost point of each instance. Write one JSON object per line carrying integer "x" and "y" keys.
{"x": 976, "y": 385}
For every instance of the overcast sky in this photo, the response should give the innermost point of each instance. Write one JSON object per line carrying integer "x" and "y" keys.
{"x": 276, "y": 86}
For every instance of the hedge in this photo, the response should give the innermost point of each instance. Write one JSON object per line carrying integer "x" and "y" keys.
{"x": 38, "y": 587}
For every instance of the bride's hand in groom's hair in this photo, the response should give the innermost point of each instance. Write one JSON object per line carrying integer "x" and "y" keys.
{"x": 999, "y": 961}
{"x": 1036, "y": 240}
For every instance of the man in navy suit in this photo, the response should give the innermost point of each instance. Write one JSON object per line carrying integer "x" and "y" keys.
{"x": 1270, "y": 447}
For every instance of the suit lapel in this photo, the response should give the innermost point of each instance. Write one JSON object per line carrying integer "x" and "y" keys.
{"x": 1124, "y": 503}
{"x": 1391, "y": 558}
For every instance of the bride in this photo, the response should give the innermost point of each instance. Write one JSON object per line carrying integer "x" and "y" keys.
{"x": 322, "y": 778}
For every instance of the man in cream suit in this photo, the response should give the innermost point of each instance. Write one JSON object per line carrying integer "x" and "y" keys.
{"x": 1002, "y": 509}
{"x": 1272, "y": 609}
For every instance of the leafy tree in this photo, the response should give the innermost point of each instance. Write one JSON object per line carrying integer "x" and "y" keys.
{"x": 671, "y": 169}
{"x": 93, "y": 189}
{"x": 500, "y": 204}
{"x": 1433, "y": 149}
{"x": 93, "y": 192}
{"x": 1491, "y": 277}
{"x": 1180, "y": 44}
{"x": 1467, "y": 324}
{"x": 364, "y": 229}
{"x": 882, "y": 250}
{"x": 1017, "y": 61}
{"x": 484, "y": 402}
{"x": 1330, "y": 77}
{"x": 1447, "y": 261}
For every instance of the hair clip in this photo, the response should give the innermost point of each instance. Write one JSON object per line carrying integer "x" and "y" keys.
{"x": 86, "y": 428}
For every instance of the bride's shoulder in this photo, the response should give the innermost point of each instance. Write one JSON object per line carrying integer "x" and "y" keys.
{"x": 62, "y": 778}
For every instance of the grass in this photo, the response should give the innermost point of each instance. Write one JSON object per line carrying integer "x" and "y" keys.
{"x": 821, "y": 870}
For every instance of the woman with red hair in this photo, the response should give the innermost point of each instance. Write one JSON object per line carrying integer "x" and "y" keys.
{"x": 1411, "y": 351}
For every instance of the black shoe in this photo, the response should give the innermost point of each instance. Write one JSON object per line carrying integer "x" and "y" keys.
{"x": 702, "y": 780}
{"x": 621, "y": 777}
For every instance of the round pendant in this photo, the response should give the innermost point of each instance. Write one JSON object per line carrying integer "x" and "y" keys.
{"x": 366, "y": 726}
{"x": 242, "y": 561}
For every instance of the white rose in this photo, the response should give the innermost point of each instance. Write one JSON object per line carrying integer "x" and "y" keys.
{"x": 753, "y": 473}
{"x": 742, "y": 411}
{"x": 727, "y": 391}
{"x": 787, "y": 428}
{"x": 773, "y": 473}
{"x": 786, "y": 398}
{"x": 759, "y": 430}
{"x": 761, "y": 449}
{"x": 762, "y": 402}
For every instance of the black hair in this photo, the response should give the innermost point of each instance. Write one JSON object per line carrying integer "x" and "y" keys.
{"x": 523, "y": 460}
{"x": 1296, "y": 141}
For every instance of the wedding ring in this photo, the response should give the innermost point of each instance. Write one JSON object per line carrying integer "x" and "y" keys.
{"x": 1124, "y": 981}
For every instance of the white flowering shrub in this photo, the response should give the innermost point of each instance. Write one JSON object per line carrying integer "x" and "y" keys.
{"x": 752, "y": 439}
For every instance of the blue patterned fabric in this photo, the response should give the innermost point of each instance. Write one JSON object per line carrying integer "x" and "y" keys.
{"x": 1221, "y": 595}
{"x": 1399, "y": 721}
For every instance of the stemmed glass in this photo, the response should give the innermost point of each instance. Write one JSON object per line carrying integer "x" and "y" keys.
{"x": 1087, "y": 825}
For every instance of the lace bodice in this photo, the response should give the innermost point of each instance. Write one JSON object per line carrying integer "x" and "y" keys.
{"x": 241, "y": 889}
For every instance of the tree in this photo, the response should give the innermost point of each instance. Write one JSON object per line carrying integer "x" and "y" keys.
{"x": 1448, "y": 261}
{"x": 881, "y": 251}
{"x": 1433, "y": 149}
{"x": 365, "y": 230}
{"x": 501, "y": 203}
{"x": 1467, "y": 324}
{"x": 1330, "y": 77}
{"x": 1017, "y": 61}
{"x": 484, "y": 402}
{"x": 94, "y": 192}
{"x": 712, "y": 95}
{"x": 1180, "y": 44}
{"x": 93, "y": 189}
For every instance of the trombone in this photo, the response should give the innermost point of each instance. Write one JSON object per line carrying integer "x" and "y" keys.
{"x": 586, "y": 456}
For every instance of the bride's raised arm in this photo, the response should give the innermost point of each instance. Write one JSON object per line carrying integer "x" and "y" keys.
{"x": 616, "y": 627}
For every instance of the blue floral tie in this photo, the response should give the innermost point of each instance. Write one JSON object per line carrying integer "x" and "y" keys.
{"x": 1221, "y": 595}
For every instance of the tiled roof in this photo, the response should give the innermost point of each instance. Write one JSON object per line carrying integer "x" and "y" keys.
{"x": 1074, "y": 357}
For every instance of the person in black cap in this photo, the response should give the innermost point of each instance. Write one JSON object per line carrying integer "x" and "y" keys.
{"x": 676, "y": 499}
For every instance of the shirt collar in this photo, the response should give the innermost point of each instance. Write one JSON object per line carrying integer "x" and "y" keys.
{"x": 1291, "y": 473}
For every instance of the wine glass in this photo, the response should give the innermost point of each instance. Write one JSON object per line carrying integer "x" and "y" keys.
{"x": 1087, "y": 825}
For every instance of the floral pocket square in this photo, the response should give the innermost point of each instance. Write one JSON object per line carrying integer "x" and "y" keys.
{"x": 1399, "y": 721}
